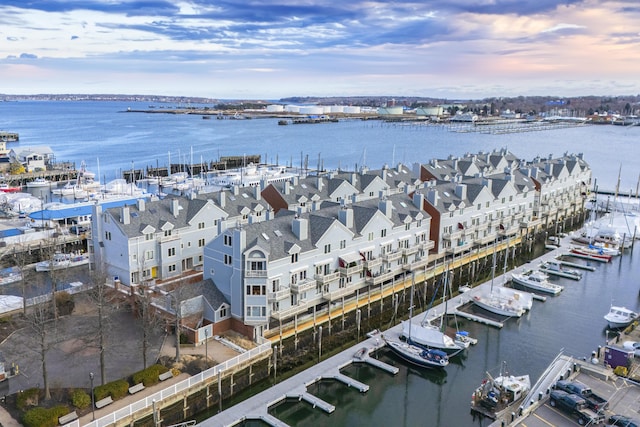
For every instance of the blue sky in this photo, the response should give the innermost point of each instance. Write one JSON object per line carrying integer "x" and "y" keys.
{"x": 456, "y": 49}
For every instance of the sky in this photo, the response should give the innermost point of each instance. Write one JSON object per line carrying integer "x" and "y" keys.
{"x": 272, "y": 49}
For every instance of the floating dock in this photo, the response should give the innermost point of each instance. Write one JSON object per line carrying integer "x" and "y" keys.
{"x": 577, "y": 265}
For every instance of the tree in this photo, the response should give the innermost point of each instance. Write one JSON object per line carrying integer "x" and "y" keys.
{"x": 39, "y": 320}
{"x": 102, "y": 296}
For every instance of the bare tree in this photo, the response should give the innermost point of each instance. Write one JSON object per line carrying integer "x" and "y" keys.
{"x": 40, "y": 321}
{"x": 149, "y": 319}
{"x": 102, "y": 297}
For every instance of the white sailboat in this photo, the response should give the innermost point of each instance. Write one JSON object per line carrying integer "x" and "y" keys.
{"x": 428, "y": 335}
{"x": 502, "y": 301}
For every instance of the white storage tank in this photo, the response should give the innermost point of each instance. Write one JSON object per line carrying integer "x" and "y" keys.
{"x": 292, "y": 108}
{"x": 352, "y": 109}
{"x": 312, "y": 110}
{"x": 275, "y": 108}
{"x": 336, "y": 109}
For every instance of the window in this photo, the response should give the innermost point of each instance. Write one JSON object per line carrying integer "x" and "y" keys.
{"x": 479, "y": 206}
{"x": 172, "y": 268}
{"x": 383, "y": 232}
{"x": 227, "y": 240}
{"x": 275, "y": 285}
{"x": 200, "y": 243}
{"x": 148, "y": 236}
{"x": 223, "y": 312}
{"x": 200, "y": 225}
{"x": 134, "y": 257}
{"x": 227, "y": 259}
{"x": 171, "y": 251}
{"x": 343, "y": 244}
{"x": 107, "y": 235}
{"x": 294, "y": 258}
{"x": 167, "y": 233}
{"x": 327, "y": 248}
{"x": 407, "y": 226}
{"x": 148, "y": 255}
{"x": 370, "y": 237}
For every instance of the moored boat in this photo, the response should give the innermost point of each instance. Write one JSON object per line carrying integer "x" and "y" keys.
{"x": 62, "y": 260}
{"x": 536, "y": 280}
{"x": 38, "y": 182}
{"x": 596, "y": 254}
{"x": 555, "y": 267}
{"x": 620, "y": 317}
{"x": 6, "y": 188}
{"x": 429, "y": 336}
{"x": 498, "y": 304}
{"x": 495, "y": 395}
{"x": 10, "y": 275}
{"x": 426, "y": 358}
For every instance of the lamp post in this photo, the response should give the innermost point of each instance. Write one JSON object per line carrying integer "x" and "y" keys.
{"x": 206, "y": 346}
{"x": 93, "y": 406}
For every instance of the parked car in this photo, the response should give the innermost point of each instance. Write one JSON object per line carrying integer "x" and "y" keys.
{"x": 594, "y": 401}
{"x": 632, "y": 345}
{"x": 623, "y": 421}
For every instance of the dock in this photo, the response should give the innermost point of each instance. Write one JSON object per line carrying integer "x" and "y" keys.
{"x": 577, "y": 265}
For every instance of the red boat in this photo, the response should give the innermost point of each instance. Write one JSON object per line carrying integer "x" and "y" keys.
{"x": 5, "y": 188}
{"x": 591, "y": 253}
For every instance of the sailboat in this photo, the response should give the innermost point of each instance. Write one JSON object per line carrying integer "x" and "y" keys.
{"x": 426, "y": 358}
{"x": 428, "y": 335}
{"x": 501, "y": 301}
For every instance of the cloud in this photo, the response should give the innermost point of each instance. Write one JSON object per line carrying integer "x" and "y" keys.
{"x": 270, "y": 47}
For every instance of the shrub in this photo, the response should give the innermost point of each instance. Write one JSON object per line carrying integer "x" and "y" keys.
{"x": 64, "y": 303}
{"x": 116, "y": 389}
{"x": 27, "y": 398}
{"x": 150, "y": 375}
{"x": 44, "y": 417}
{"x": 80, "y": 399}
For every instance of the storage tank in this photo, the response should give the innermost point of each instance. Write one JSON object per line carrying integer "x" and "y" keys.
{"x": 292, "y": 108}
{"x": 390, "y": 111}
{"x": 352, "y": 110}
{"x": 275, "y": 108}
{"x": 336, "y": 109}
{"x": 312, "y": 110}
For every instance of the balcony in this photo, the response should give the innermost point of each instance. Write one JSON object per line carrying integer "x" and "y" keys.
{"x": 255, "y": 273}
{"x": 428, "y": 245}
{"x": 381, "y": 278}
{"x": 303, "y": 286}
{"x": 290, "y": 311}
{"x": 391, "y": 256}
{"x": 165, "y": 239}
{"x": 459, "y": 248}
{"x": 453, "y": 235}
{"x": 279, "y": 295}
{"x": 410, "y": 250}
{"x": 372, "y": 263}
{"x": 334, "y": 295}
{"x": 327, "y": 278}
{"x": 416, "y": 265}
{"x": 348, "y": 271}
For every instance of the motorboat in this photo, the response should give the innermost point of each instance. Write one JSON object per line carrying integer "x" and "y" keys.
{"x": 536, "y": 280}
{"x": 426, "y": 358}
{"x": 62, "y": 260}
{"x": 250, "y": 176}
{"x": 494, "y": 395}
{"x": 620, "y": 317}
{"x": 38, "y": 183}
{"x": 593, "y": 253}
{"x": 10, "y": 275}
{"x": 6, "y": 188}
{"x": 555, "y": 268}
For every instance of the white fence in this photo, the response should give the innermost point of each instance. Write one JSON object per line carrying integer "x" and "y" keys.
{"x": 149, "y": 401}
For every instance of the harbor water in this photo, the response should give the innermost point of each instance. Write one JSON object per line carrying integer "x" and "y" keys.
{"x": 106, "y": 137}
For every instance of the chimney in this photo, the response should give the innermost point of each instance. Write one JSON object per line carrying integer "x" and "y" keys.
{"x": 294, "y": 180}
{"x": 455, "y": 163}
{"x": 345, "y": 216}
{"x": 141, "y": 205}
{"x": 432, "y": 196}
{"x": 235, "y": 190}
{"x": 534, "y": 172}
{"x": 286, "y": 189}
{"x": 300, "y": 228}
{"x": 547, "y": 168}
{"x": 461, "y": 191}
{"x": 354, "y": 178}
{"x": 418, "y": 200}
{"x": 257, "y": 192}
{"x": 175, "y": 207}
{"x": 125, "y": 218}
{"x": 385, "y": 206}
{"x": 222, "y": 199}
{"x": 319, "y": 182}
{"x": 383, "y": 173}
{"x": 487, "y": 183}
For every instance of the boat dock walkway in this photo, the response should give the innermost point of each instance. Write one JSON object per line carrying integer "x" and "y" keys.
{"x": 257, "y": 407}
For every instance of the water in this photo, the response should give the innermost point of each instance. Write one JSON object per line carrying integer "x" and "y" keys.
{"x": 111, "y": 140}
{"x": 101, "y": 134}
